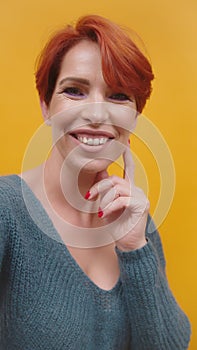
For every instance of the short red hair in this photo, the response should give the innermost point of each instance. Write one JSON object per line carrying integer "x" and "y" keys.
{"x": 124, "y": 65}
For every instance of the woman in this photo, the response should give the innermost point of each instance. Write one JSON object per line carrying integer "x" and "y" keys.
{"x": 79, "y": 268}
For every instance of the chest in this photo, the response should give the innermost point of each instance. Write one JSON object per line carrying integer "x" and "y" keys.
{"x": 48, "y": 302}
{"x": 100, "y": 265}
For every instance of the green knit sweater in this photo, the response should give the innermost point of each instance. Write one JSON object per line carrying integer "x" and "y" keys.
{"x": 48, "y": 303}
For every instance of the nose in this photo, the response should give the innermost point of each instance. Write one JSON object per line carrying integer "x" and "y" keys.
{"x": 95, "y": 112}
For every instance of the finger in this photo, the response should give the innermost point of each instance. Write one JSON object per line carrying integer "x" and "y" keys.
{"x": 100, "y": 176}
{"x": 100, "y": 187}
{"x": 135, "y": 206}
{"x": 129, "y": 166}
{"x": 118, "y": 204}
{"x": 105, "y": 185}
{"x": 115, "y": 192}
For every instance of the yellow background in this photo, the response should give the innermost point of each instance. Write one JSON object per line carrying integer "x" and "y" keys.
{"x": 169, "y": 31}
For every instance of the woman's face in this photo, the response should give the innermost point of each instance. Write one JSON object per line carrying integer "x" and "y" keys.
{"x": 87, "y": 116}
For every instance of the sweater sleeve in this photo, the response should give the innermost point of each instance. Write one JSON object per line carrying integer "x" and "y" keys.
{"x": 157, "y": 322}
{"x": 3, "y": 234}
{"x": 5, "y": 218}
{"x": 2, "y": 239}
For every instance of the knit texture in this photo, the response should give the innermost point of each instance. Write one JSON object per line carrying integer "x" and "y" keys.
{"x": 48, "y": 303}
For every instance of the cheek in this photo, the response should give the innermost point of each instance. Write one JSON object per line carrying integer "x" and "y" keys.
{"x": 123, "y": 135}
{"x": 124, "y": 117}
{"x": 64, "y": 146}
{"x": 59, "y": 103}
{"x": 63, "y": 122}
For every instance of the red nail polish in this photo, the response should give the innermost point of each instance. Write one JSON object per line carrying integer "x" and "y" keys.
{"x": 87, "y": 195}
{"x": 129, "y": 141}
{"x": 100, "y": 213}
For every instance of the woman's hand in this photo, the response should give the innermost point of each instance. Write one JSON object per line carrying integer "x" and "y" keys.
{"x": 122, "y": 201}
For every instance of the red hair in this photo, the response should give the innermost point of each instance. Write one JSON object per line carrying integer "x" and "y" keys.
{"x": 124, "y": 65}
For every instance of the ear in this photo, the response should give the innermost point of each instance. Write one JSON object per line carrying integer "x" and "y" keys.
{"x": 45, "y": 112}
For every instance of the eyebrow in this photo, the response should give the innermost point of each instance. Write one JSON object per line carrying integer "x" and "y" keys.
{"x": 74, "y": 79}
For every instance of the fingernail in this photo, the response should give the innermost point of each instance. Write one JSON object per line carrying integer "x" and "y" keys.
{"x": 100, "y": 213}
{"x": 87, "y": 195}
{"x": 129, "y": 141}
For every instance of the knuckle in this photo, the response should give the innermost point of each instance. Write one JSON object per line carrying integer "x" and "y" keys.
{"x": 124, "y": 201}
{"x": 116, "y": 179}
{"x": 113, "y": 179}
{"x": 117, "y": 188}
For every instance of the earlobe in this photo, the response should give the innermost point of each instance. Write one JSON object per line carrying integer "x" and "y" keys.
{"x": 45, "y": 112}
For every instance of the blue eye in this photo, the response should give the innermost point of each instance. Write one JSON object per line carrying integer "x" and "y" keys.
{"x": 73, "y": 91}
{"x": 120, "y": 97}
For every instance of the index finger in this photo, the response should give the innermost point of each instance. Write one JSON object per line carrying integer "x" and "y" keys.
{"x": 129, "y": 166}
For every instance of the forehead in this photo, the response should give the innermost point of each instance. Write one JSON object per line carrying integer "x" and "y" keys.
{"x": 83, "y": 58}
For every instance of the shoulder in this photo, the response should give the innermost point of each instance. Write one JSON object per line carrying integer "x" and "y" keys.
{"x": 8, "y": 204}
{"x": 9, "y": 182}
{"x": 10, "y": 190}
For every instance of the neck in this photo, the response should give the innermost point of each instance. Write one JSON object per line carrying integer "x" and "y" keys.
{"x": 66, "y": 185}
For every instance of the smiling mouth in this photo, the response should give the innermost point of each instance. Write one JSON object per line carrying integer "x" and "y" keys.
{"x": 93, "y": 140}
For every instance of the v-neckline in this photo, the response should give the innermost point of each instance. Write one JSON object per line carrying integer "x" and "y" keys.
{"x": 43, "y": 219}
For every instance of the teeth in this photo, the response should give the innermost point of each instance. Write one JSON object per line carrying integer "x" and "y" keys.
{"x": 96, "y": 142}
{"x": 92, "y": 142}
{"x": 102, "y": 140}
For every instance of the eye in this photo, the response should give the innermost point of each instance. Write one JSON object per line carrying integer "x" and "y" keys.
{"x": 120, "y": 97}
{"x": 73, "y": 91}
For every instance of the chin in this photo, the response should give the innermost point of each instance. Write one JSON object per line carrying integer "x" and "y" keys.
{"x": 96, "y": 166}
